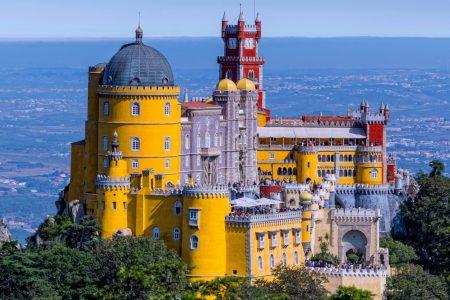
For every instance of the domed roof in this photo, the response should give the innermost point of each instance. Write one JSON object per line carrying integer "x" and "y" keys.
{"x": 137, "y": 64}
{"x": 226, "y": 85}
{"x": 246, "y": 85}
{"x": 306, "y": 196}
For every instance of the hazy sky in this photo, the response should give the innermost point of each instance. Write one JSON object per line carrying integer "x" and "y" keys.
{"x": 309, "y": 18}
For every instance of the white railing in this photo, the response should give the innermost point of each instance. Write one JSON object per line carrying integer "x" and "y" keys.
{"x": 256, "y": 218}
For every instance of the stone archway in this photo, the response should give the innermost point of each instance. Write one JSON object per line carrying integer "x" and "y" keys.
{"x": 354, "y": 241}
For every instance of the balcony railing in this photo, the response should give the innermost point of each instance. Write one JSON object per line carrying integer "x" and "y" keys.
{"x": 258, "y": 218}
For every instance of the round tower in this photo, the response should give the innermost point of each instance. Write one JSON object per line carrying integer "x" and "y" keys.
{"x": 306, "y": 201}
{"x": 112, "y": 190}
{"x": 369, "y": 165}
{"x": 203, "y": 231}
{"x": 307, "y": 165}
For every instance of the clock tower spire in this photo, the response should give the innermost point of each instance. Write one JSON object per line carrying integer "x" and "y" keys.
{"x": 241, "y": 58}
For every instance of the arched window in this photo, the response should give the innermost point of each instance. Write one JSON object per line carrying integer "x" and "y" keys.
{"x": 283, "y": 259}
{"x": 135, "y": 109}
{"x": 135, "y": 144}
{"x": 229, "y": 74}
{"x": 194, "y": 242}
{"x": 374, "y": 173}
{"x": 350, "y": 158}
{"x": 354, "y": 173}
{"x": 296, "y": 258}
{"x": 105, "y": 143}
{"x": 272, "y": 261}
{"x": 105, "y": 162}
{"x": 284, "y": 171}
{"x": 156, "y": 233}
{"x": 106, "y": 108}
{"x": 187, "y": 141}
{"x": 320, "y": 158}
{"x": 251, "y": 75}
{"x": 167, "y": 109}
{"x": 207, "y": 140}
{"x": 216, "y": 139}
{"x": 319, "y": 173}
{"x": 289, "y": 171}
{"x": 177, "y": 206}
{"x": 292, "y": 202}
{"x": 294, "y": 171}
{"x": 260, "y": 263}
{"x": 176, "y": 234}
{"x": 167, "y": 143}
{"x": 328, "y": 157}
{"x": 199, "y": 142}
{"x": 345, "y": 173}
{"x": 341, "y": 173}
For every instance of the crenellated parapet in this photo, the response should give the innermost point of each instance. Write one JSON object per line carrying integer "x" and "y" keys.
{"x": 355, "y": 215}
{"x": 206, "y": 191}
{"x": 168, "y": 192}
{"x": 110, "y": 183}
{"x": 364, "y": 189}
{"x": 110, "y": 91}
{"x": 307, "y": 150}
{"x": 294, "y": 188}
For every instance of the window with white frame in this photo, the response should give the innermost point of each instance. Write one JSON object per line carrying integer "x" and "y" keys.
{"x": 272, "y": 155}
{"x": 135, "y": 164}
{"x": 251, "y": 75}
{"x": 272, "y": 261}
{"x": 193, "y": 217}
{"x": 260, "y": 263}
{"x": 273, "y": 239}
{"x": 194, "y": 242}
{"x": 135, "y": 109}
{"x": 176, "y": 234}
{"x": 105, "y": 142}
{"x": 156, "y": 233}
{"x": 297, "y": 235}
{"x": 177, "y": 206}
{"x": 167, "y": 143}
{"x": 216, "y": 139}
{"x": 260, "y": 237}
{"x": 229, "y": 74}
{"x": 186, "y": 161}
{"x": 283, "y": 259}
{"x": 106, "y": 108}
{"x": 296, "y": 257}
{"x": 167, "y": 163}
{"x": 105, "y": 162}
{"x": 135, "y": 144}
{"x": 285, "y": 237}
{"x": 374, "y": 173}
{"x": 167, "y": 109}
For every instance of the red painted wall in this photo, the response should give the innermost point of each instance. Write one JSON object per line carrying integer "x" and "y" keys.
{"x": 376, "y": 134}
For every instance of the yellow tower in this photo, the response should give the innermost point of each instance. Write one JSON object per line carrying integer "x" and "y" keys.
{"x": 203, "y": 231}
{"x": 369, "y": 165}
{"x": 113, "y": 190}
{"x": 307, "y": 164}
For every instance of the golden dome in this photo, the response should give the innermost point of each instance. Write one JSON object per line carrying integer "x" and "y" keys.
{"x": 306, "y": 196}
{"x": 315, "y": 207}
{"x": 246, "y": 85}
{"x": 226, "y": 85}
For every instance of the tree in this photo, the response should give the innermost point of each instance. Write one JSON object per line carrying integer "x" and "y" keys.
{"x": 437, "y": 167}
{"x": 296, "y": 283}
{"x": 139, "y": 268}
{"x": 324, "y": 255}
{"x": 411, "y": 282}
{"x": 399, "y": 253}
{"x": 351, "y": 293}
{"x": 427, "y": 223}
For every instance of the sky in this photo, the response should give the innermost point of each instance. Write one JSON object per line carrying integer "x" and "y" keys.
{"x": 167, "y": 18}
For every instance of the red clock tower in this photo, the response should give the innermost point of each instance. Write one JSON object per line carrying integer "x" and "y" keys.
{"x": 241, "y": 58}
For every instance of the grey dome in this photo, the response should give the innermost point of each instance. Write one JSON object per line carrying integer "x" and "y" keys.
{"x": 137, "y": 64}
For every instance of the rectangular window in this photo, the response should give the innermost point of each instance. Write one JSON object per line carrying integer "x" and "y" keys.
{"x": 260, "y": 241}
{"x": 285, "y": 238}
{"x": 135, "y": 144}
{"x": 124, "y": 205}
{"x": 167, "y": 143}
{"x": 135, "y": 164}
{"x": 105, "y": 162}
{"x": 193, "y": 217}
{"x": 105, "y": 143}
{"x": 297, "y": 235}
{"x": 273, "y": 239}
{"x": 114, "y": 205}
{"x": 272, "y": 155}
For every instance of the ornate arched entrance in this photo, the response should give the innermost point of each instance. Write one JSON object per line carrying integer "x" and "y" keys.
{"x": 354, "y": 242}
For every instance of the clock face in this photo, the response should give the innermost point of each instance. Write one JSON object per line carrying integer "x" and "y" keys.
{"x": 249, "y": 43}
{"x": 232, "y": 43}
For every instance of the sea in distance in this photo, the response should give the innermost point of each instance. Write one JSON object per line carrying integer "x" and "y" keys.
{"x": 43, "y": 87}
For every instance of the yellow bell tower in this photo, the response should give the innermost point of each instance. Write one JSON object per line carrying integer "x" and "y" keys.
{"x": 307, "y": 164}
{"x": 113, "y": 190}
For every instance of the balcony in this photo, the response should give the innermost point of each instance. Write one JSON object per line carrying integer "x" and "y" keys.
{"x": 210, "y": 152}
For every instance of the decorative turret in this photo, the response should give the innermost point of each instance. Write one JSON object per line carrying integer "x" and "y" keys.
{"x": 112, "y": 190}
{"x": 139, "y": 34}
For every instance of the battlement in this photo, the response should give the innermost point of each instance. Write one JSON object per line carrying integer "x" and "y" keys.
{"x": 235, "y": 28}
{"x": 316, "y": 121}
{"x": 109, "y": 90}
{"x": 107, "y": 182}
{"x": 168, "y": 192}
{"x": 367, "y": 117}
{"x": 115, "y": 154}
{"x": 240, "y": 59}
{"x": 286, "y": 216}
{"x": 369, "y": 149}
{"x": 355, "y": 214}
{"x": 206, "y": 191}
{"x": 364, "y": 189}
{"x": 272, "y": 161}
{"x": 295, "y": 188}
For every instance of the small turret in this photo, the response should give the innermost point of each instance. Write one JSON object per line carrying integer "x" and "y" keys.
{"x": 364, "y": 106}
{"x": 224, "y": 24}
{"x": 241, "y": 21}
{"x": 139, "y": 34}
{"x": 258, "y": 26}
